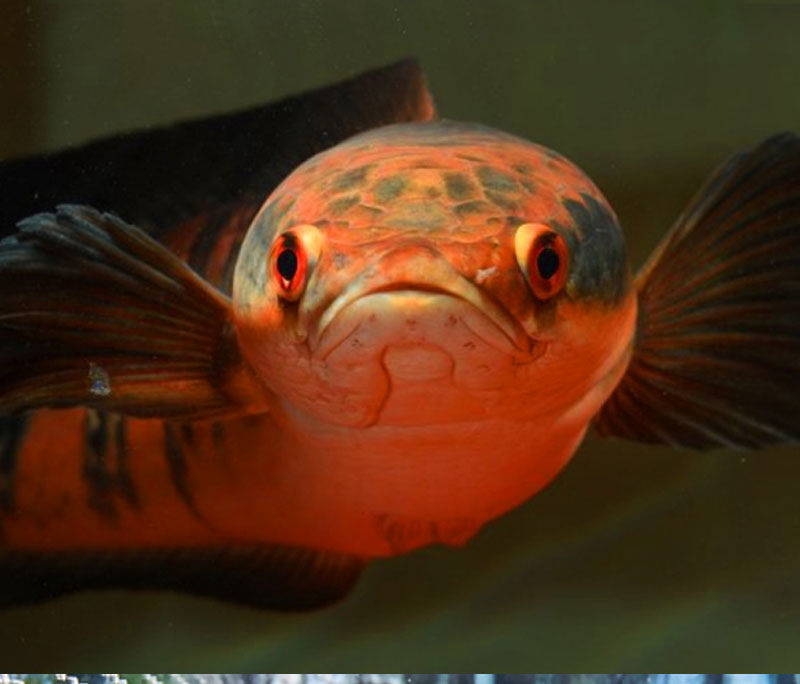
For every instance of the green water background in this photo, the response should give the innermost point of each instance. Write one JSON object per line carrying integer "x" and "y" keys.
{"x": 636, "y": 557}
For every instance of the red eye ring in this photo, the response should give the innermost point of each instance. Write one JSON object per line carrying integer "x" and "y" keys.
{"x": 544, "y": 258}
{"x": 289, "y": 266}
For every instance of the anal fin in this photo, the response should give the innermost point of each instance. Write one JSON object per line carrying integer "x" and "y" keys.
{"x": 259, "y": 575}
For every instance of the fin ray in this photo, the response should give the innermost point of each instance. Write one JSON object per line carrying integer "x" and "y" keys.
{"x": 83, "y": 290}
{"x": 258, "y": 575}
{"x": 717, "y": 354}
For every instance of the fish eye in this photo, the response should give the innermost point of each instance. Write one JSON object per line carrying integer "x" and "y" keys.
{"x": 543, "y": 257}
{"x": 289, "y": 264}
{"x": 547, "y": 262}
{"x": 286, "y": 265}
{"x": 292, "y": 258}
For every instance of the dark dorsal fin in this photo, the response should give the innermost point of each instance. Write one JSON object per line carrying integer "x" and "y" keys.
{"x": 95, "y": 312}
{"x": 162, "y": 177}
{"x": 717, "y": 355}
{"x": 259, "y": 575}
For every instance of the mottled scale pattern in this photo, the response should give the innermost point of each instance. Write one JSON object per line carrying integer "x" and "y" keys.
{"x": 461, "y": 187}
{"x": 458, "y": 181}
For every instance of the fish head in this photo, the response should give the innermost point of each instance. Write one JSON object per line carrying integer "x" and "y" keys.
{"x": 432, "y": 274}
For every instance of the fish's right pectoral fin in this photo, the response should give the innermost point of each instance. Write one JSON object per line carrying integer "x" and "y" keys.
{"x": 94, "y": 312}
{"x": 716, "y": 360}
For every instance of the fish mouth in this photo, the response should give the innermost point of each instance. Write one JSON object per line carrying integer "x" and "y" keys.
{"x": 481, "y": 314}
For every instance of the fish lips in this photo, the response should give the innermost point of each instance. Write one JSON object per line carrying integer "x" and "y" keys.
{"x": 456, "y": 301}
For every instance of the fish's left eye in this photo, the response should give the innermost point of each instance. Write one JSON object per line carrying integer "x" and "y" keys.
{"x": 291, "y": 257}
{"x": 289, "y": 264}
{"x": 543, "y": 257}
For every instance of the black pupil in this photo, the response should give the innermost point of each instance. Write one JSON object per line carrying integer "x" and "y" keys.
{"x": 287, "y": 264}
{"x": 547, "y": 262}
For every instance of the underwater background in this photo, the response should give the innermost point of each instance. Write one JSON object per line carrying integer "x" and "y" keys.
{"x": 636, "y": 557}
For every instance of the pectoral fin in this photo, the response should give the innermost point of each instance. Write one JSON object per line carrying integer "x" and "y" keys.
{"x": 259, "y": 575}
{"x": 717, "y": 355}
{"x": 95, "y": 312}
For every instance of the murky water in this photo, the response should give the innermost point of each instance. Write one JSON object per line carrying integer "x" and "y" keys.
{"x": 636, "y": 556}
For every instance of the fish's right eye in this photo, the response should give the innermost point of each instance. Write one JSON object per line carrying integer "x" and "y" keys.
{"x": 543, "y": 257}
{"x": 291, "y": 258}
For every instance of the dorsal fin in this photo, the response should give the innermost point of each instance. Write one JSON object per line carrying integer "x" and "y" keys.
{"x": 208, "y": 168}
{"x": 717, "y": 355}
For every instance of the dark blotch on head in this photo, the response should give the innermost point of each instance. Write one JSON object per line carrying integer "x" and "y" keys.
{"x": 459, "y": 187}
{"x": 474, "y": 207}
{"x": 390, "y": 188}
{"x": 341, "y": 205}
{"x": 494, "y": 180}
{"x": 502, "y": 201}
{"x": 426, "y": 163}
{"x": 348, "y": 180}
{"x": 600, "y": 261}
{"x": 420, "y": 214}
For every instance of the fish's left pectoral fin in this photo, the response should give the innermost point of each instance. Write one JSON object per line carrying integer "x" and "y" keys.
{"x": 94, "y": 312}
{"x": 716, "y": 361}
{"x": 269, "y": 576}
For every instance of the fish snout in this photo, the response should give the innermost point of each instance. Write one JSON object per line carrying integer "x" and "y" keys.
{"x": 413, "y": 294}
{"x": 412, "y": 264}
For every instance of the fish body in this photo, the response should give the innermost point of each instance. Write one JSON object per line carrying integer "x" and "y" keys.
{"x": 408, "y": 338}
{"x": 388, "y": 382}
{"x": 417, "y": 348}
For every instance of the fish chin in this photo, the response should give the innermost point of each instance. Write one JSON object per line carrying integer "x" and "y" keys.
{"x": 419, "y": 357}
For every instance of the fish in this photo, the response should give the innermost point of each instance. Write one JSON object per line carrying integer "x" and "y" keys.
{"x": 404, "y": 337}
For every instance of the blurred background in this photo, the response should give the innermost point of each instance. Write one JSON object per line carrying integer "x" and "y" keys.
{"x": 636, "y": 557}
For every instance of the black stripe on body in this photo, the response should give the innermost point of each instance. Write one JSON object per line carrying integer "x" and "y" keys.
{"x": 187, "y": 434}
{"x": 12, "y": 433}
{"x": 105, "y": 463}
{"x": 218, "y": 226}
{"x": 207, "y": 239}
{"x": 124, "y": 480}
{"x": 176, "y": 462}
{"x": 218, "y": 437}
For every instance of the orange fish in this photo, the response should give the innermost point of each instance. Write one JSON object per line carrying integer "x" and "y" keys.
{"x": 409, "y": 338}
